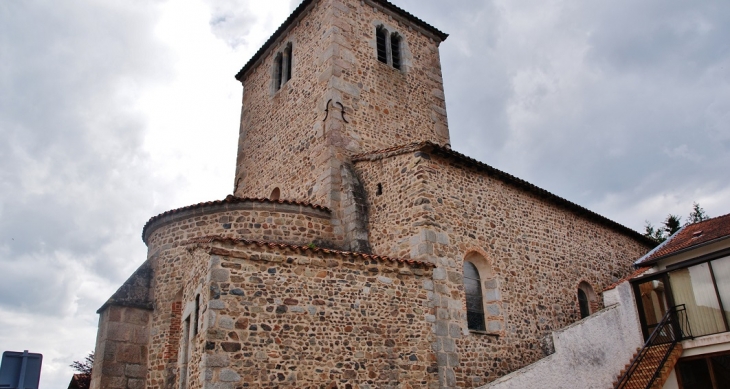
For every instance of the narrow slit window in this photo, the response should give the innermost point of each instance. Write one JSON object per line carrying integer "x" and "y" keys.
{"x": 585, "y": 309}
{"x": 395, "y": 50}
{"x": 381, "y": 36}
{"x": 287, "y": 63}
{"x": 278, "y": 71}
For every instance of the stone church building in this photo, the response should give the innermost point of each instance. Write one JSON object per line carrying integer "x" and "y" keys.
{"x": 358, "y": 250}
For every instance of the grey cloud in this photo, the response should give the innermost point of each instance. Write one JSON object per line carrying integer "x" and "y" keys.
{"x": 71, "y": 156}
{"x": 591, "y": 100}
{"x": 231, "y": 21}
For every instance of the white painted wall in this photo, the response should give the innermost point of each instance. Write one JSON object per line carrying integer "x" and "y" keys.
{"x": 588, "y": 354}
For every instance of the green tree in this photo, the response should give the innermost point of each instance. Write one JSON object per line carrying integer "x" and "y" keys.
{"x": 672, "y": 224}
{"x": 83, "y": 369}
{"x": 654, "y": 233}
{"x": 697, "y": 215}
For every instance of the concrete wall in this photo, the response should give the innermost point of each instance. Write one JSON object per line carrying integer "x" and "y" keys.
{"x": 588, "y": 354}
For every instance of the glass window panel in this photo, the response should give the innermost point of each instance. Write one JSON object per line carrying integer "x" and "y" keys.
{"x": 583, "y": 302}
{"x": 695, "y": 374}
{"x": 470, "y": 271}
{"x": 654, "y": 303}
{"x": 721, "y": 268}
{"x": 694, "y": 288}
{"x": 721, "y": 370}
{"x": 475, "y": 321}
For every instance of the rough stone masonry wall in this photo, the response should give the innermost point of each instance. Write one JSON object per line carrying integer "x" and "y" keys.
{"x": 539, "y": 253}
{"x": 285, "y": 140}
{"x": 278, "y": 144}
{"x": 385, "y": 106}
{"x": 173, "y": 267}
{"x": 290, "y": 319}
{"x": 121, "y": 349}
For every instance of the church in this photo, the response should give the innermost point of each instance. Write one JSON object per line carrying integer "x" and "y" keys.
{"x": 357, "y": 249}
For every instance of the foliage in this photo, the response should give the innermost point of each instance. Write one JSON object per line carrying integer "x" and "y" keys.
{"x": 83, "y": 369}
{"x": 673, "y": 223}
{"x": 697, "y": 215}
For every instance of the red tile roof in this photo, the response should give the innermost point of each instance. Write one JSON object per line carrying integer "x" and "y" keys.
{"x": 631, "y": 276}
{"x": 690, "y": 236}
{"x": 388, "y": 6}
{"x": 433, "y": 148}
{"x": 230, "y": 199}
{"x": 313, "y": 249}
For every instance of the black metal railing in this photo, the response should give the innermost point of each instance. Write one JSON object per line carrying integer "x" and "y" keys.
{"x": 673, "y": 328}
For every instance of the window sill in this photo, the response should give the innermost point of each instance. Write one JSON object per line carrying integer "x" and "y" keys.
{"x": 477, "y": 332}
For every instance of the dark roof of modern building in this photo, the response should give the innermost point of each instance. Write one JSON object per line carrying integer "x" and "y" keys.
{"x": 230, "y": 199}
{"x": 299, "y": 10}
{"x": 135, "y": 292}
{"x": 435, "y": 149}
{"x": 310, "y": 249}
{"x": 689, "y": 237}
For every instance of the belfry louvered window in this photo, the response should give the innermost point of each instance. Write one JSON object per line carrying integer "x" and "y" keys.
{"x": 283, "y": 67}
{"x": 474, "y": 300}
{"x": 389, "y": 47}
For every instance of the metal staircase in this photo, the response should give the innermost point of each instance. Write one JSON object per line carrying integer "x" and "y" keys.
{"x": 652, "y": 364}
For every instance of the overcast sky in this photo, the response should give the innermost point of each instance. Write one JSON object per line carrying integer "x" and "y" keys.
{"x": 112, "y": 111}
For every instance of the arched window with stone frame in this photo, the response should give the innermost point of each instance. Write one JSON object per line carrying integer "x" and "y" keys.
{"x": 389, "y": 47}
{"x": 483, "y": 300}
{"x": 587, "y": 300}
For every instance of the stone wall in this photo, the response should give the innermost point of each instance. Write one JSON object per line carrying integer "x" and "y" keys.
{"x": 441, "y": 209}
{"x": 340, "y": 101}
{"x": 121, "y": 348}
{"x": 175, "y": 270}
{"x": 309, "y": 319}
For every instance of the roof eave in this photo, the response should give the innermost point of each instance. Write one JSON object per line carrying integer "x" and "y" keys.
{"x": 304, "y": 6}
{"x": 653, "y": 261}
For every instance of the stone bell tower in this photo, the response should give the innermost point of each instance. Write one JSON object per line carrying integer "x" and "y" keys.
{"x": 338, "y": 78}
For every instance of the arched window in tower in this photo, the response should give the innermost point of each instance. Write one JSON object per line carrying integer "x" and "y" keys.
{"x": 395, "y": 41}
{"x": 382, "y": 38}
{"x": 587, "y": 302}
{"x": 474, "y": 300}
{"x": 282, "y": 72}
{"x": 389, "y": 47}
{"x": 275, "y": 194}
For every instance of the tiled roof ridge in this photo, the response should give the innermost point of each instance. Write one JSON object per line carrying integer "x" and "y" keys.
{"x": 681, "y": 241}
{"x": 299, "y": 10}
{"x": 216, "y": 238}
{"x": 230, "y": 199}
{"x": 504, "y": 176}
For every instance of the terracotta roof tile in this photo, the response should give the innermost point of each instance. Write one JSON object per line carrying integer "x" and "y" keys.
{"x": 691, "y": 235}
{"x": 631, "y": 276}
{"x": 211, "y": 239}
{"x": 447, "y": 152}
{"x": 299, "y": 10}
